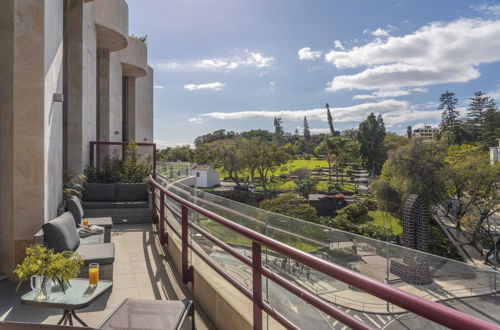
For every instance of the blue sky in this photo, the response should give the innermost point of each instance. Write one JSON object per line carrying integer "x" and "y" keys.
{"x": 237, "y": 64}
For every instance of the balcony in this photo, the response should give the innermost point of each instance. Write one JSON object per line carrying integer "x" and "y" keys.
{"x": 229, "y": 258}
{"x": 134, "y": 58}
{"x": 111, "y": 19}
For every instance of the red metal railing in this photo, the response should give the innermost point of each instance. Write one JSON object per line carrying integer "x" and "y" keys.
{"x": 430, "y": 310}
{"x": 123, "y": 145}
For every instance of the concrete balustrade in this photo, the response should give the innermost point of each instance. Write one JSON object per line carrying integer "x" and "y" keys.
{"x": 134, "y": 58}
{"x": 111, "y": 18}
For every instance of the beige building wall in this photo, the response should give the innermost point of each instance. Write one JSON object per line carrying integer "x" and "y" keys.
{"x": 53, "y": 121}
{"x": 31, "y": 135}
{"x": 59, "y": 47}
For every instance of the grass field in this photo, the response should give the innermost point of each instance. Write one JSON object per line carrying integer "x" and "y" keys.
{"x": 230, "y": 236}
{"x": 387, "y": 220}
{"x": 287, "y": 168}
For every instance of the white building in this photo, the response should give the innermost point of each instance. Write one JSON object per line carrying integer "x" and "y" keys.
{"x": 495, "y": 153}
{"x": 205, "y": 175}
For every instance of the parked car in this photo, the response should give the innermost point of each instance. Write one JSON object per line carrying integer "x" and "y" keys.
{"x": 250, "y": 188}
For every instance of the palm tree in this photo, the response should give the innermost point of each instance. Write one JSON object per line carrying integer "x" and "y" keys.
{"x": 325, "y": 149}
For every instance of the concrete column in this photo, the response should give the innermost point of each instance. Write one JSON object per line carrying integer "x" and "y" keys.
{"x": 143, "y": 121}
{"x": 79, "y": 83}
{"x": 109, "y": 97}
{"x": 30, "y": 122}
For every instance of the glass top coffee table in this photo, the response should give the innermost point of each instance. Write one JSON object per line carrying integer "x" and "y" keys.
{"x": 77, "y": 296}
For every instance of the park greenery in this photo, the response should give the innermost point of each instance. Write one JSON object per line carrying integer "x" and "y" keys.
{"x": 287, "y": 168}
{"x": 113, "y": 169}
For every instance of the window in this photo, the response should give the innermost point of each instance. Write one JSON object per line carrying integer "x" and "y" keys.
{"x": 197, "y": 174}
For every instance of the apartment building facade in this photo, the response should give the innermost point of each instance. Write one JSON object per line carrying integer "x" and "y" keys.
{"x": 69, "y": 74}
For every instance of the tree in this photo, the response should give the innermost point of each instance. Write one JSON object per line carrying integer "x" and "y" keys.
{"x": 449, "y": 117}
{"x": 343, "y": 149}
{"x": 330, "y": 120}
{"x": 475, "y": 114}
{"x": 296, "y": 133}
{"x": 325, "y": 149}
{"x": 291, "y": 205}
{"x": 278, "y": 130}
{"x": 392, "y": 141}
{"x": 491, "y": 126}
{"x": 268, "y": 157}
{"x": 307, "y": 133}
{"x": 409, "y": 132}
{"x": 133, "y": 169}
{"x": 305, "y": 186}
{"x": 228, "y": 155}
{"x": 370, "y": 136}
{"x": 415, "y": 168}
{"x": 461, "y": 164}
{"x": 484, "y": 192}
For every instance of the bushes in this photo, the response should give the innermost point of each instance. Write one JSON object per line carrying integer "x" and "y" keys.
{"x": 292, "y": 205}
{"x": 113, "y": 170}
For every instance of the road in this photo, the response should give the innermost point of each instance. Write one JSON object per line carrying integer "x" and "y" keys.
{"x": 303, "y": 315}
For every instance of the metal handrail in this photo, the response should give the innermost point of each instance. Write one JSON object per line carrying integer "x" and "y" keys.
{"x": 430, "y": 310}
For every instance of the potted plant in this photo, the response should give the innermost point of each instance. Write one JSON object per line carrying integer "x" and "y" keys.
{"x": 45, "y": 267}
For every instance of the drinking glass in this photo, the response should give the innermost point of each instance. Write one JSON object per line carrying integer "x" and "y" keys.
{"x": 85, "y": 222}
{"x": 93, "y": 274}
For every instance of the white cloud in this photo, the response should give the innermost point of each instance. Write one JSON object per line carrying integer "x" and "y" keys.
{"x": 247, "y": 58}
{"x": 393, "y": 112}
{"x": 388, "y": 93}
{"x": 495, "y": 93}
{"x": 319, "y": 130}
{"x": 250, "y": 59}
{"x": 489, "y": 9}
{"x": 158, "y": 86}
{"x": 436, "y": 53}
{"x": 338, "y": 45}
{"x": 216, "y": 86}
{"x": 307, "y": 54}
{"x": 196, "y": 120}
{"x": 380, "y": 33}
{"x": 271, "y": 86}
{"x": 160, "y": 143}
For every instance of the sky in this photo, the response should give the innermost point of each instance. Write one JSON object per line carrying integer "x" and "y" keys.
{"x": 237, "y": 64}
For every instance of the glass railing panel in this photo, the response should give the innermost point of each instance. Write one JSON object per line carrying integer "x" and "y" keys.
{"x": 426, "y": 275}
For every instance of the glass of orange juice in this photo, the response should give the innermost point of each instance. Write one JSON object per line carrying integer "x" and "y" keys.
{"x": 85, "y": 222}
{"x": 93, "y": 274}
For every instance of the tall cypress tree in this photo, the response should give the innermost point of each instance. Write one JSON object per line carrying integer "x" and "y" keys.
{"x": 491, "y": 124}
{"x": 371, "y": 133}
{"x": 475, "y": 114}
{"x": 278, "y": 130}
{"x": 307, "y": 133}
{"x": 449, "y": 117}
{"x": 330, "y": 120}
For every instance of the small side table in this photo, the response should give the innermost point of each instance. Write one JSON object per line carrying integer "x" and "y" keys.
{"x": 77, "y": 296}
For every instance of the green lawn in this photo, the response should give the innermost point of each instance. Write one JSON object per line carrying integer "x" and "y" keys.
{"x": 387, "y": 220}
{"x": 287, "y": 168}
{"x": 230, "y": 236}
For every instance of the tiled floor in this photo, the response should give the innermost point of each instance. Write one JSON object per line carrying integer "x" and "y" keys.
{"x": 141, "y": 270}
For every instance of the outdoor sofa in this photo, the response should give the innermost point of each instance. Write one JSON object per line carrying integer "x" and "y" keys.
{"x": 60, "y": 234}
{"x": 123, "y": 202}
{"x": 74, "y": 205}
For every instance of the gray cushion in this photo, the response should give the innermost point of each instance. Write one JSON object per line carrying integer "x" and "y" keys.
{"x": 98, "y": 205}
{"x": 60, "y": 233}
{"x": 131, "y": 192}
{"x": 74, "y": 206}
{"x": 99, "y": 192}
{"x": 103, "y": 254}
{"x": 131, "y": 205}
